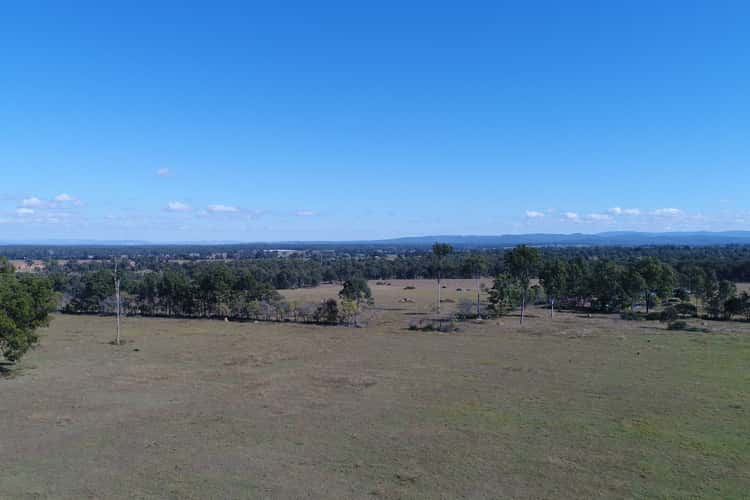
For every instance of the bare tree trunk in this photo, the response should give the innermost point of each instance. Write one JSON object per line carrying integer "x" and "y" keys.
{"x": 523, "y": 305}
{"x": 552, "y": 308}
{"x": 438, "y": 294}
{"x": 479, "y": 315}
{"x": 117, "y": 306}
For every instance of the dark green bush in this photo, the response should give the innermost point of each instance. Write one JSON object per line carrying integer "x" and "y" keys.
{"x": 686, "y": 309}
{"x": 668, "y": 315}
{"x": 631, "y": 316}
{"x": 677, "y": 325}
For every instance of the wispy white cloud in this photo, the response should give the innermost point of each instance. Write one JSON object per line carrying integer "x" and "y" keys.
{"x": 162, "y": 172}
{"x": 222, "y": 209}
{"x": 571, "y": 215}
{"x": 24, "y": 211}
{"x": 63, "y": 197}
{"x": 667, "y": 212}
{"x": 32, "y": 202}
{"x": 534, "y": 214}
{"x": 599, "y": 217}
{"x": 305, "y": 213}
{"x": 177, "y": 206}
{"x": 624, "y": 211}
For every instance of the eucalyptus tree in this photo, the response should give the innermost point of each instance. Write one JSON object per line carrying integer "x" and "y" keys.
{"x": 554, "y": 278}
{"x": 25, "y": 303}
{"x": 477, "y": 266}
{"x": 439, "y": 252}
{"x": 522, "y": 263}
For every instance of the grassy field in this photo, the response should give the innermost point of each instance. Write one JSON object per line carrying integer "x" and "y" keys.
{"x": 564, "y": 407}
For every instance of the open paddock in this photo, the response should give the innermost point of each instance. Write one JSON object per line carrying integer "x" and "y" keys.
{"x": 563, "y": 407}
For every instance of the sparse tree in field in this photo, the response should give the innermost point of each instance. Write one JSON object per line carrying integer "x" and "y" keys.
{"x": 727, "y": 291}
{"x": 658, "y": 277}
{"x": 477, "y": 265}
{"x": 746, "y": 308}
{"x": 307, "y": 311}
{"x": 633, "y": 285}
{"x": 439, "y": 252}
{"x": 605, "y": 284}
{"x": 116, "y": 279}
{"x": 695, "y": 280}
{"x": 504, "y": 294}
{"x": 465, "y": 308}
{"x": 578, "y": 281}
{"x": 734, "y": 306}
{"x": 327, "y": 312}
{"x": 710, "y": 295}
{"x": 716, "y": 294}
{"x": 522, "y": 263}
{"x": 349, "y": 311}
{"x": 356, "y": 289}
{"x": 554, "y": 279}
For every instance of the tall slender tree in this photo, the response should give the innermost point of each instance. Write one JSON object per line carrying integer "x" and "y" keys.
{"x": 116, "y": 278}
{"x": 554, "y": 278}
{"x": 522, "y": 263}
{"x": 439, "y": 252}
{"x": 477, "y": 265}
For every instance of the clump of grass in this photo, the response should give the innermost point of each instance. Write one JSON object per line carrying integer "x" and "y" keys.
{"x": 683, "y": 326}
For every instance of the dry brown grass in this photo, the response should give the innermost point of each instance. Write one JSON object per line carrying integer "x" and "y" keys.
{"x": 570, "y": 407}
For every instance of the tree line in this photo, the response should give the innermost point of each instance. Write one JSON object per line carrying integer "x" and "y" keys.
{"x": 309, "y": 267}
{"x": 605, "y": 285}
{"x": 602, "y": 280}
{"x": 206, "y": 290}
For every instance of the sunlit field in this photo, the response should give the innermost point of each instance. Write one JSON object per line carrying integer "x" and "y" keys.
{"x": 564, "y": 407}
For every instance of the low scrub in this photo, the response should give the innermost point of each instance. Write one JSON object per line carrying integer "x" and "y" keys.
{"x": 433, "y": 325}
{"x": 631, "y": 316}
{"x": 680, "y": 325}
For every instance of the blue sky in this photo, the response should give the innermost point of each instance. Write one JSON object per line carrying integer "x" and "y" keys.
{"x": 339, "y": 120}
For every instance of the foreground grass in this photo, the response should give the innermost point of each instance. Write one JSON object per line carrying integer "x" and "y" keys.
{"x": 674, "y": 424}
{"x": 568, "y": 407}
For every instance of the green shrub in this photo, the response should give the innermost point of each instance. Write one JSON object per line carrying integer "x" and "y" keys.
{"x": 677, "y": 325}
{"x": 631, "y": 316}
{"x": 686, "y": 309}
{"x": 668, "y": 315}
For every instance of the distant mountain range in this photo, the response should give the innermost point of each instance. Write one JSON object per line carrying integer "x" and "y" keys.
{"x": 616, "y": 238}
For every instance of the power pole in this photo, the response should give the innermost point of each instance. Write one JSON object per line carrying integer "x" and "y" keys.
{"x": 117, "y": 305}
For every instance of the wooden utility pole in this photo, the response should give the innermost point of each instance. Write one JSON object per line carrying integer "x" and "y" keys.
{"x": 117, "y": 305}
